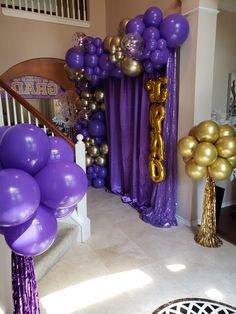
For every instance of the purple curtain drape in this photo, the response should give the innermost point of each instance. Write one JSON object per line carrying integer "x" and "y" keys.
{"x": 127, "y": 113}
{"x": 24, "y": 285}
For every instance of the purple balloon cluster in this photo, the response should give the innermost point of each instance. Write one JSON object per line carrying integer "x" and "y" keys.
{"x": 39, "y": 182}
{"x": 96, "y": 175}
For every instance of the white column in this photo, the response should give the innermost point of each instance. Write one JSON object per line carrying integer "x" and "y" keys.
{"x": 195, "y": 92}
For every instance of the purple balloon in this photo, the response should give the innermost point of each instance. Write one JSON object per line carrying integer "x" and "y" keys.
{"x": 19, "y": 197}
{"x": 96, "y": 128}
{"x": 3, "y": 130}
{"x": 79, "y": 126}
{"x": 104, "y": 74}
{"x": 98, "y": 115}
{"x": 92, "y": 176}
{"x": 96, "y": 168}
{"x": 91, "y": 48}
{"x": 104, "y": 62}
{"x": 30, "y": 151}
{"x": 75, "y": 59}
{"x": 34, "y": 236}
{"x": 89, "y": 170}
{"x": 99, "y": 140}
{"x": 117, "y": 72}
{"x": 97, "y": 70}
{"x": 146, "y": 53}
{"x": 174, "y": 29}
{"x": 102, "y": 172}
{"x": 159, "y": 56}
{"x": 95, "y": 80}
{"x": 151, "y": 33}
{"x": 66, "y": 187}
{"x": 99, "y": 51}
{"x": 98, "y": 183}
{"x": 152, "y": 17}
{"x": 161, "y": 44}
{"x": 148, "y": 66}
{"x": 63, "y": 212}
{"x": 60, "y": 150}
{"x": 135, "y": 25}
{"x": 91, "y": 60}
{"x": 88, "y": 71}
{"x": 84, "y": 132}
{"x": 2, "y": 230}
{"x": 151, "y": 44}
{"x": 97, "y": 42}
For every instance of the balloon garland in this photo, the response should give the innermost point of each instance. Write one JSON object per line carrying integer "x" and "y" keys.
{"x": 209, "y": 151}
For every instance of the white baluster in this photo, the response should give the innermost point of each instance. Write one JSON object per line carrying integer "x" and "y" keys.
{"x": 8, "y": 111}
{"x": 79, "y": 12}
{"x": 38, "y": 2}
{"x": 45, "y": 129}
{"x": 50, "y": 7}
{"x": 56, "y": 7}
{"x": 20, "y": 5}
{"x": 6, "y": 3}
{"x": 14, "y": 111}
{"x": 32, "y": 6}
{"x": 22, "y": 114}
{"x": 68, "y": 11}
{"x": 29, "y": 117}
{"x": 44, "y": 7}
{"x": 1, "y": 112}
{"x": 26, "y": 5}
{"x": 13, "y": 4}
{"x": 53, "y": 134}
{"x": 84, "y": 6}
{"x": 36, "y": 122}
{"x": 62, "y": 9}
{"x": 73, "y": 9}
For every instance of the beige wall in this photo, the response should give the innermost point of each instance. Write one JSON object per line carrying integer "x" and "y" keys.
{"x": 25, "y": 39}
{"x": 118, "y": 10}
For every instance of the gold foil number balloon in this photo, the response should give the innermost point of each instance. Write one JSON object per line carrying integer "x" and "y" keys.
{"x": 221, "y": 169}
{"x": 195, "y": 171}
{"x": 186, "y": 146}
{"x": 226, "y": 146}
{"x": 207, "y": 131}
{"x": 205, "y": 154}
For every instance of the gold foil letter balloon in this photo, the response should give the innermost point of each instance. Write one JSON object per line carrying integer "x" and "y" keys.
{"x": 207, "y": 131}
{"x": 195, "y": 171}
{"x": 205, "y": 154}
{"x": 226, "y": 146}
{"x": 186, "y": 146}
{"x": 220, "y": 169}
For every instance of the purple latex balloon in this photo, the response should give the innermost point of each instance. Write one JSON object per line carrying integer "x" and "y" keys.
{"x": 25, "y": 147}
{"x": 148, "y": 66}
{"x": 151, "y": 33}
{"x": 96, "y": 168}
{"x": 104, "y": 62}
{"x": 92, "y": 176}
{"x": 102, "y": 172}
{"x": 98, "y": 183}
{"x": 90, "y": 170}
{"x": 19, "y": 197}
{"x": 66, "y": 187}
{"x": 152, "y": 17}
{"x": 117, "y": 72}
{"x": 34, "y": 236}
{"x": 63, "y": 212}
{"x": 135, "y": 25}
{"x": 3, "y": 130}
{"x": 95, "y": 80}
{"x": 75, "y": 59}
{"x": 60, "y": 150}
{"x": 91, "y": 48}
{"x": 174, "y": 29}
{"x": 104, "y": 74}
{"x": 151, "y": 44}
{"x": 99, "y": 51}
{"x": 159, "y": 57}
{"x": 97, "y": 70}
{"x": 2, "y": 230}
{"x": 88, "y": 71}
{"x": 91, "y": 60}
{"x": 96, "y": 128}
{"x": 79, "y": 126}
{"x": 161, "y": 44}
{"x": 97, "y": 42}
{"x": 98, "y": 115}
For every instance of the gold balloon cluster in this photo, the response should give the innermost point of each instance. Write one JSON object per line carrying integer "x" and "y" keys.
{"x": 157, "y": 96}
{"x": 95, "y": 154}
{"x": 209, "y": 149}
{"x": 89, "y": 102}
{"x": 74, "y": 75}
{"x": 112, "y": 44}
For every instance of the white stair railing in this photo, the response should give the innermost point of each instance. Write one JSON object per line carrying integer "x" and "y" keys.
{"x": 13, "y": 112}
{"x": 71, "y": 12}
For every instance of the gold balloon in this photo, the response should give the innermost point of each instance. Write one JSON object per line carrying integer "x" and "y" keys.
{"x": 87, "y": 145}
{"x": 115, "y": 41}
{"x": 103, "y": 107}
{"x": 99, "y": 95}
{"x": 86, "y": 94}
{"x": 220, "y": 169}
{"x": 226, "y": 146}
{"x": 93, "y": 105}
{"x": 93, "y": 151}
{"x": 156, "y": 169}
{"x": 84, "y": 102}
{"x": 92, "y": 141}
{"x": 195, "y": 171}
{"x": 232, "y": 161}
{"x": 226, "y": 130}
{"x": 207, "y": 131}
{"x": 89, "y": 160}
{"x": 100, "y": 160}
{"x": 192, "y": 132}
{"x": 112, "y": 49}
{"x": 119, "y": 55}
{"x": 122, "y": 26}
{"x": 205, "y": 154}
{"x": 112, "y": 58}
{"x": 106, "y": 43}
{"x": 104, "y": 148}
{"x": 186, "y": 146}
{"x": 131, "y": 67}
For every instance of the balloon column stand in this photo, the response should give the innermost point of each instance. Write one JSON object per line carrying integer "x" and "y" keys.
{"x": 207, "y": 233}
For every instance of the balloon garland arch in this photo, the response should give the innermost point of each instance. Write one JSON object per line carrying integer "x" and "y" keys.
{"x": 142, "y": 45}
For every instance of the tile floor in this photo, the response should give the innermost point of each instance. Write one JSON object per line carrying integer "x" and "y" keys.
{"x": 130, "y": 267}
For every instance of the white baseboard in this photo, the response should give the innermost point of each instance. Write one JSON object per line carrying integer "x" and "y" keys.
{"x": 230, "y": 203}
{"x": 186, "y": 222}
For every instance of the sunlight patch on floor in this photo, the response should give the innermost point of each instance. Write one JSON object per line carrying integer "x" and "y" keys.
{"x": 175, "y": 267}
{"x": 94, "y": 291}
{"x": 214, "y": 294}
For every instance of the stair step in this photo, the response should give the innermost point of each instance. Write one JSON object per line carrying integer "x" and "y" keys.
{"x": 66, "y": 238}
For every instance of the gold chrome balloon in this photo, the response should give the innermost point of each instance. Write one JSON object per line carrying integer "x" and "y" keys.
{"x": 103, "y": 107}
{"x": 122, "y": 26}
{"x": 220, "y": 169}
{"x": 92, "y": 141}
{"x": 226, "y": 146}
{"x": 112, "y": 58}
{"x": 192, "y": 132}
{"x": 207, "y": 131}
{"x": 85, "y": 94}
{"x": 104, "y": 148}
{"x": 232, "y": 161}
{"x": 226, "y": 130}
{"x": 186, "y": 146}
{"x": 99, "y": 95}
{"x": 205, "y": 154}
{"x": 106, "y": 43}
{"x": 89, "y": 160}
{"x": 93, "y": 151}
{"x": 100, "y": 160}
{"x": 115, "y": 41}
{"x": 131, "y": 67}
{"x": 93, "y": 105}
{"x": 119, "y": 55}
{"x": 195, "y": 171}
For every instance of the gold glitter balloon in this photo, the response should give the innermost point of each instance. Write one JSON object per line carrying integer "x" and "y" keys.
{"x": 226, "y": 130}
{"x": 207, "y": 131}
{"x": 226, "y": 146}
{"x": 131, "y": 67}
{"x": 220, "y": 169}
{"x": 205, "y": 154}
{"x": 232, "y": 161}
{"x": 195, "y": 171}
{"x": 186, "y": 146}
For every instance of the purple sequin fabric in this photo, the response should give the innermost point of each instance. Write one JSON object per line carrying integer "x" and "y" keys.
{"x": 24, "y": 285}
{"x": 127, "y": 113}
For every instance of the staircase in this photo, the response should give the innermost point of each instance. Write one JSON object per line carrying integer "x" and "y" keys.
{"x": 13, "y": 110}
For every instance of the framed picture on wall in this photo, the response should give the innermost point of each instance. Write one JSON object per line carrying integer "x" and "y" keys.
{"x": 231, "y": 99}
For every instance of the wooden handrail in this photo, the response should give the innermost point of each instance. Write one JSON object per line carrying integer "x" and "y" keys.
{"x": 36, "y": 113}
